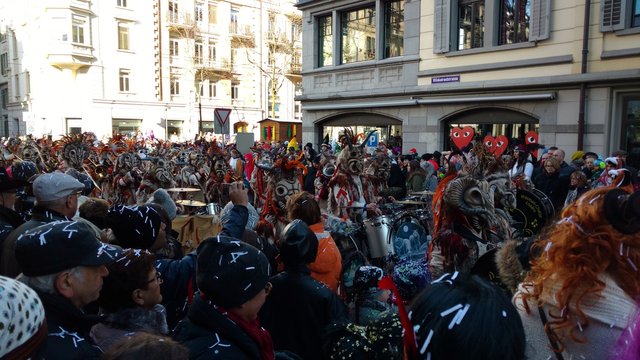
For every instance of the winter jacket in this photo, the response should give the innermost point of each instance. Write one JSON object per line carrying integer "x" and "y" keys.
{"x": 9, "y": 220}
{"x": 553, "y": 186}
{"x": 328, "y": 264}
{"x": 40, "y": 216}
{"x": 179, "y": 280}
{"x": 297, "y": 310}
{"x": 68, "y": 329}
{"x": 127, "y": 323}
{"x": 208, "y": 334}
{"x": 416, "y": 182}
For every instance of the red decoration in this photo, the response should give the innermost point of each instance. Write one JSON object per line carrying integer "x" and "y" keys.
{"x": 461, "y": 137}
{"x": 532, "y": 138}
{"x": 490, "y": 142}
{"x": 501, "y": 145}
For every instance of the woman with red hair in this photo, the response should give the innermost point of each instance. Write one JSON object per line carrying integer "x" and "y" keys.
{"x": 583, "y": 285}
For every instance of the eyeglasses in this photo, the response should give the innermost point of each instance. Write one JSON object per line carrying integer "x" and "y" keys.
{"x": 267, "y": 287}
{"x": 157, "y": 278}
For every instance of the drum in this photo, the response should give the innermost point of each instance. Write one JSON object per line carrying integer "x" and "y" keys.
{"x": 378, "y": 230}
{"x": 409, "y": 237}
{"x": 426, "y": 219}
{"x": 532, "y": 212}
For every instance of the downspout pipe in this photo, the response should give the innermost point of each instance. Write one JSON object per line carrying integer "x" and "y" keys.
{"x": 583, "y": 70}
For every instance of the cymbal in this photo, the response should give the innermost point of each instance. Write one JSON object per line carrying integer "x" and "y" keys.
{"x": 410, "y": 202}
{"x": 191, "y": 203}
{"x": 351, "y": 207}
{"x": 426, "y": 192}
{"x": 182, "y": 189}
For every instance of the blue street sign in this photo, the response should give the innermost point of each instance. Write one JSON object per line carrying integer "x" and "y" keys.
{"x": 373, "y": 140}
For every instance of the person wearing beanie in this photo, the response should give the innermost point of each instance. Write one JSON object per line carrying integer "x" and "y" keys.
{"x": 222, "y": 322}
{"x": 56, "y": 200}
{"x": 65, "y": 263}
{"x": 11, "y": 179}
{"x": 137, "y": 227}
{"x": 370, "y": 302}
{"x": 299, "y": 307}
{"x": 20, "y": 310}
{"x": 162, "y": 198}
{"x": 179, "y": 276}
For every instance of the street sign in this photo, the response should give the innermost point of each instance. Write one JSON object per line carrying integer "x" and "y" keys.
{"x": 373, "y": 140}
{"x": 221, "y": 120}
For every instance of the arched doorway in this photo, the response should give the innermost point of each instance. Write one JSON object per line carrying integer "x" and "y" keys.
{"x": 496, "y": 121}
{"x": 389, "y": 129}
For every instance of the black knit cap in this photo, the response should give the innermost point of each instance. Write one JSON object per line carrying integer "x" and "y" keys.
{"x": 299, "y": 245}
{"x": 59, "y": 246}
{"x": 135, "y": 227}
{"x": 230, "y": 272}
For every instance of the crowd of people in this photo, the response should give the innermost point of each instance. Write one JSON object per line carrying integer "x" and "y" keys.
{"x": 91, "y": 266}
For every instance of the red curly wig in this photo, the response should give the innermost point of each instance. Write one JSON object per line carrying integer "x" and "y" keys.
{"x": 572, "y": 253}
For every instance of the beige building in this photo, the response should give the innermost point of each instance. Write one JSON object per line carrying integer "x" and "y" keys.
{"x": 163, "y": 66}
{"x": 418, "y": 68}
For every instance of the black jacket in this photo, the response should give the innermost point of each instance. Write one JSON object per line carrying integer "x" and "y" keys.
{"x": 68, "y": 330}
{"x": 297, "y": 310}
{"x": 210, "y": 335}
{"x": 8, "y": 264}
{"x": 554, "y": 186}
{"x": 179, "y": 280}
{"x": 9, "y": 220}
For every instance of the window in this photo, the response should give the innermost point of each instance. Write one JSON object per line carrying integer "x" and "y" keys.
{"x": 233, "y": 23}
{"x": 393, "y": 28}
{"x": 79, "y": 24}
{"x": 121, "y": 3}
{"x": 16, "y": 83}
{"x": 4, "y": 95}
{"x": 124, "y": 80}
{"x": 471, "y": 24}
{"x": 123, "y": 36}
{"x": 614, "y": 15}
{"x": 212, "y": 51}
{"x": 325, "y": 41}
{"x": 173, "y": 47}
{"x": 4, "y": 64}
{"x": 213, "y": 14}
{"x": 234, "y": 91}
{"x": 213, "y": 88}
{"x": 514, "y": 21}
{"x": 358, "y": 35}
{"x": 200, "y": 86}
{"x": 175, "y": 86}
{"x": 173, "y": 12}
{"x": 198, "y": 52}
{"x": 198, "y": 12}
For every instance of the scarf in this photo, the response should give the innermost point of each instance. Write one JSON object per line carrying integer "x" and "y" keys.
{"x": 256, "y": 332}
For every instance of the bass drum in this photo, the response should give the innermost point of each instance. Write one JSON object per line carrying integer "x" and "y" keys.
{"x": 409, "y": 238}
{"x": 532, "y": 212}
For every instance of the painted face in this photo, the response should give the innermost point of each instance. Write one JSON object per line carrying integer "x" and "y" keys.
{"x": 220, "y": 168}
{"x": 355, "y": 164}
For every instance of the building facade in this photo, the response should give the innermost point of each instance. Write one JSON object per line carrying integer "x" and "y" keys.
{"x": 418, "y": 68}
{"x": 160, "y": 66}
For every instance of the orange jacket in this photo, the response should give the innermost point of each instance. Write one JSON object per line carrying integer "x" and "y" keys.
{"x": 328, "y": 264}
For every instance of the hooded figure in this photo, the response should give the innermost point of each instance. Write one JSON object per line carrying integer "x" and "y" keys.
{"x": 299, "y": 307}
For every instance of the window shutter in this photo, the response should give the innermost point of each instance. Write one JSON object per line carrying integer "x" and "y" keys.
{"x": 539, "y": 26}
{"x": 441, "y": 37}
{"x": 612, "y": 15}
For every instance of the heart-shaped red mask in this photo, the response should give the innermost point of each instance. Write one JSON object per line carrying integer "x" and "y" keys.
{"x": 490, "y": 142}
{"x": 461, "y": 137}
{"x": 532, "y": 138}
{"x": 501, "y": 145}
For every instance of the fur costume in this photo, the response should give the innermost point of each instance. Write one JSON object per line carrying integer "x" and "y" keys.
{"x": 469, "y": 213}
{"x": 348, "y": 187}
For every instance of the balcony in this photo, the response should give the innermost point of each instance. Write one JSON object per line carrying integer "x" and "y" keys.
{"x": 67, "y": 55}
{"x": 242, "y": 35}
{"x": 181, "y": 23}
{"x": 218, "y": 68}
{"x": 294, "y": 72}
